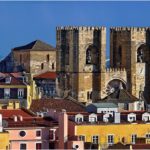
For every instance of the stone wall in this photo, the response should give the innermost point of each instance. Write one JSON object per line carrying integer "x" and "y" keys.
{"x": 35, "y": 62}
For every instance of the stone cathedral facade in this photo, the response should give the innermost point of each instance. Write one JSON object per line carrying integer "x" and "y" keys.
{"x": 81, "y": 62}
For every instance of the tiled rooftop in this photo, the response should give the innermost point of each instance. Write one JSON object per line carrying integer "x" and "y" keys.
{"x": 35, "y": 45}
{"x": 14, "y": 79}
{"x": 58, "y": 104}
{"x": 47, "y": 75}
{"x": 120, "y": 95}
{"x": 28, "y": 119}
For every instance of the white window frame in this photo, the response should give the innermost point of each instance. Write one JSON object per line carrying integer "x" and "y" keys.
{"x": 20, "y": 93}
{"x": 7, "y": 92}
{"x": 92, "y": 118}
{"x": 79, "y": 118}
{"x": 147, "y": 137}
{"x": 110, "y": 141}
{"x": 133, "y": 138}
{"x": 94, "y": 139}
{"x": 54, "y": 134}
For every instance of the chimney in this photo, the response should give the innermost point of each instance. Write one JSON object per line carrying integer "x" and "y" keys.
{"x": 117, "y": 117}
{"x": 1, "y": 127}
{"x": 63, "y": 125}
{"x": 15, "y": 118}
{"x": 20, "y": 118}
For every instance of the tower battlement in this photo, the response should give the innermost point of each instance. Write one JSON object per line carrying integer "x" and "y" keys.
{"x": 115, "y": 70}
{"x": 129, "y": 29}
{"x": 81, "y": 28}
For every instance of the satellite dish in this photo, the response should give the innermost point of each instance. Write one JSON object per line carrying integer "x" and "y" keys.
{"x": 5, "y": 124}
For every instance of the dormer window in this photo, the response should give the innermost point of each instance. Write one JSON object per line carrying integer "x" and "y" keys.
{"x": 79, "y": 118}
{"x": 146, "y": 117}
{"x": 7, "y": 80}
{"x": 131, "y": 117}
{"x": 93, "y": 118}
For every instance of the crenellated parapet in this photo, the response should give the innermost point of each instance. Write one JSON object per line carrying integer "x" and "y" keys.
{"x": 115, "y": 70}
{"x": 80, "y": 28}
{"x": 129, "y": 29}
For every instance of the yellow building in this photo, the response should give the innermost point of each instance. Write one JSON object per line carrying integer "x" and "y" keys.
{"x": 15, "y": 91}
{"x": 4, "y": 140}
{"x": 106, "y": 130}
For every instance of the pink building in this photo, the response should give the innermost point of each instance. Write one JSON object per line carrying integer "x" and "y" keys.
{"x": 66, "y": 131}
{"x": 27, "y": 131}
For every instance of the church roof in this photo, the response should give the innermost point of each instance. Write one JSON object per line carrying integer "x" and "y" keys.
{"x": 35, "y": 45}
{"x": 120, "y": 95}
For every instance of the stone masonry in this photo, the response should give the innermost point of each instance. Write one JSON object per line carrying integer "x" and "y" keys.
{"x": 81, "y": 61}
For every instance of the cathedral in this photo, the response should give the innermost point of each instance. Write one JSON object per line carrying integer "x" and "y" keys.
{"x": 81, "y": 62}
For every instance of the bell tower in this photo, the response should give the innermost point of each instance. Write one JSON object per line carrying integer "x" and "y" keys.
{"x": 81, "y": 61}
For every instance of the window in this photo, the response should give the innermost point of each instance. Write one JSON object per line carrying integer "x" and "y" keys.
{"x": 110, "y": 139}
{"x": 8, "y": 80}
{"x": 134, "y": 136}
{"x": 38, "y": 133}
{"x": 95, "y": 139}
{"x": 52, "y": 134}
{"x": 20, "y": 93}
{"x": 88, "y": 95}
{"x": 79, "y": 119}
{"x": 22, "y": 133}
{"x": 51, "y": 145}
{"x": 38, "y": 146}
{"x": 6, "y": 93}
{"x": 42, "y": 66}
{"x": 47, "y": 58}
{"x": 82, "y": 138}
{"x": 148, "y": 136}
{"x": 92, "y": 118}
{"x": 23, "y": 146}
{"x": 53, "y": 66}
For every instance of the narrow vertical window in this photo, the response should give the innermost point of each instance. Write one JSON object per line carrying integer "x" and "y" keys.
{"x": 133, "y": 138}
{"x": 47, "y": 58}
{"x": 95, "y": 139}
{"x": 110, "y": 139}
{"x": 42, "y": 66}
{"x": 53, "y": 66}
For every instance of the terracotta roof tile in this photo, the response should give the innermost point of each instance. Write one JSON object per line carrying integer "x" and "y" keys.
{"x": 29, "y": 119}
{"x": 7, "y": 113}
{"x": 47, "y": 75}
{"x": 58, "y": 104}
{"x": 14, "y": 80}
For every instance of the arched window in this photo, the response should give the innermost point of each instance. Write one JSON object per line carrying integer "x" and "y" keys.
{"x": 140, "y": 55}
{"x": 88, "y": 57}
{"x": 92, "y": 55}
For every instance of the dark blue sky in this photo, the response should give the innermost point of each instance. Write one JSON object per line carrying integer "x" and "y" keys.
{"x": 23, "y": 22}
